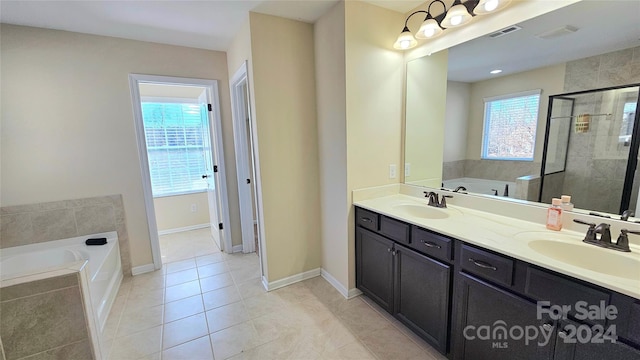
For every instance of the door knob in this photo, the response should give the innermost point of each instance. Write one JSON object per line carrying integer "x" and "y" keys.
{"x": 206, "y": 176}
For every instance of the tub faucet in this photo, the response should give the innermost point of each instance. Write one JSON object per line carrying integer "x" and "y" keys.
{"x": 460, "y": 188}
{"x": 626, "y": 214}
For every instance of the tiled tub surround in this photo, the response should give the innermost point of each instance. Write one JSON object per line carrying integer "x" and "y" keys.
{"x": 499, "y": 225}
{"x": 47, "y": 318}
{"x": 37, "y": 269}
{"x": 35, "y": 223}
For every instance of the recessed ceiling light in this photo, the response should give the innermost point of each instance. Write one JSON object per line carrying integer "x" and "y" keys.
{"x": 497, "y": 71}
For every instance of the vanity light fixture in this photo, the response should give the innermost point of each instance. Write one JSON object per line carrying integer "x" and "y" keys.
{"x": 459, "y": 14}
{"x": 488, "y": 6}
{"x": 456, "y": 16}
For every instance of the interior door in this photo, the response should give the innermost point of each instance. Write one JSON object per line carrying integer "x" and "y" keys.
{"x": 209, "y": 174}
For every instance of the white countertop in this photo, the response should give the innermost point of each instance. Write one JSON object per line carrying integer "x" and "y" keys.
{"x": 512, "y": 237}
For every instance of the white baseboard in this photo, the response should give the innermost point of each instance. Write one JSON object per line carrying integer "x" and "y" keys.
{"x": 353, "y": 293}
{"x": 290, "y": 280}
{"x": 181, "y": 229}
{"x": 236, "y": 248}
{"x": 142, "y": 269}
{"x": 348, "y": 294}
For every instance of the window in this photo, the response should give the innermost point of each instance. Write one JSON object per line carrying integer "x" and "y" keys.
{"x": 175, "y": 146}
{"x": 510, "y": 124}
{"x": 628, "y": 118}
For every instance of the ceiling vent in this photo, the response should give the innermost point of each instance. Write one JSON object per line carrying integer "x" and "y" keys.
{"x": 505, "y": 31}
{"x": 561, "y": 31}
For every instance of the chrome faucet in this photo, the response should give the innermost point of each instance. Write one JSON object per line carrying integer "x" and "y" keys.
{"x": 433, "y": 199}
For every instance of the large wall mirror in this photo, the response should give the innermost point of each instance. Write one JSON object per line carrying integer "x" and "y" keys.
{"x": 560, "y": 90}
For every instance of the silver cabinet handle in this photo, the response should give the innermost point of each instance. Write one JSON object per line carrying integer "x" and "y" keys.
{"x": 431, "y": 244}
{"x": 366, "y": 219}
{"x": 482, "y": 264}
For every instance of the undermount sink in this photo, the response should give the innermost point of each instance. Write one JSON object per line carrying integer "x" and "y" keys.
{"x": 590, "y": 257}
{"x": 423, "y": 211}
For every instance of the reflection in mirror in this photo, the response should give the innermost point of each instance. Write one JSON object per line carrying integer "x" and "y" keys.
{"x": 589, "y": 147}
{"x": 566, "y": 51}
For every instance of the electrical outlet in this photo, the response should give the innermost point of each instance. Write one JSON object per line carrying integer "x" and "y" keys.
{"x": 194, "y": 208}
{"x": 407, "y": 169}
{"x": 392, "y": 171}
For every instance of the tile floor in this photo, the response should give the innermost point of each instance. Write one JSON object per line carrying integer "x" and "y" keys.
{"x": 205, "y": 304}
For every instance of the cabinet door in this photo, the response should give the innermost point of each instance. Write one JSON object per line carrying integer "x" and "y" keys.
{"x": 482, "y": 311}
{"x": 422, "y": 295}
{"x": 374, "y": 267}
{"x": 578, "y": 342}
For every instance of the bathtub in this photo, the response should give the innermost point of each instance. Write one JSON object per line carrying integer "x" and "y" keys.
{"x": 481, "y": 186}
{"x": 104, "y": 270}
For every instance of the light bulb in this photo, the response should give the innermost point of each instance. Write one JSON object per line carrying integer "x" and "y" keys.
{"x": 456, "y": 20}
{"x": 491, "y": 5}
{"x": 429, "y": 32}
{"x": 405, "y": 44}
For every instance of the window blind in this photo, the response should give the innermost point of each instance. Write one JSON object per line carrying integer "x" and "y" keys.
{"x": 174, "y": 135}
{"x": 510, "y": 124}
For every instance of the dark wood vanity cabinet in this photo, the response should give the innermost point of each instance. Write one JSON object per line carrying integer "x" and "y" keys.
{"x": 485, "y": 314}
{"x": 445, "y": 290}
{"x": 374, "y": 267}
{"x": 421, "y": 296}
{"x": 414, "y": 287}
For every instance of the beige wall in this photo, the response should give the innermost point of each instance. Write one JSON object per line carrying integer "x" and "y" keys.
{"x": 174, "y": 212}
{"x": 456, "y": 118}
{"x": 374, "y": 82}
{"x": 67, "y": 119}
{"x": 282, "y": 58}
{"x": 550, "y": 79}
{"x": 332, "y": 131}
{"x": 426, "y": 99}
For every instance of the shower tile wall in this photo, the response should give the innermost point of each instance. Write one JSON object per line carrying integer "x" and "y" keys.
{"x": 611, "y": 69}
{"x": 34, "y": 223}
{"x": 596, "y": 181}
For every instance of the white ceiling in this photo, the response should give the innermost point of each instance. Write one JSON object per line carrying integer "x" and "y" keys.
{"x": 603, "y": 26}
{"x": 201, "y": 24}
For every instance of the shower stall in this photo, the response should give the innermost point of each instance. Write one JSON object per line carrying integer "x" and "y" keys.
{"x": 591, "y": 149}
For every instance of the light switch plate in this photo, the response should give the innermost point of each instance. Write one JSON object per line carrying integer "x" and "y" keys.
{"x": 392, "y": 171}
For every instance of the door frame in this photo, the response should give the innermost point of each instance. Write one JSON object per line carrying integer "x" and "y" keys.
{"x": 215, "y": 132}
{"x": 239, "y": 100}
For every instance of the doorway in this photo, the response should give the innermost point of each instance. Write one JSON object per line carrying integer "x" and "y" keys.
{"x": 245, "y": 162}
{"x": 178, "y": 128}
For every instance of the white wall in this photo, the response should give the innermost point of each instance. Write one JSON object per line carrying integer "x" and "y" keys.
{"x": 67, "y": 119}
{"x": 332, "y": 142}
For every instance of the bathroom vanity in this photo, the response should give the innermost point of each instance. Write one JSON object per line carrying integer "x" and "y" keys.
{"x": 468, "y": 281}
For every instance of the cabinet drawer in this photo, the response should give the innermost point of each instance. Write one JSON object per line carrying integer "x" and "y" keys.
{"x": 431, "y": 243}
{"x": 367, "y": 219}
{"x": 544, "y": 286}
{"x": 396, "y": 230}
{"x": 487, "y": 265}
